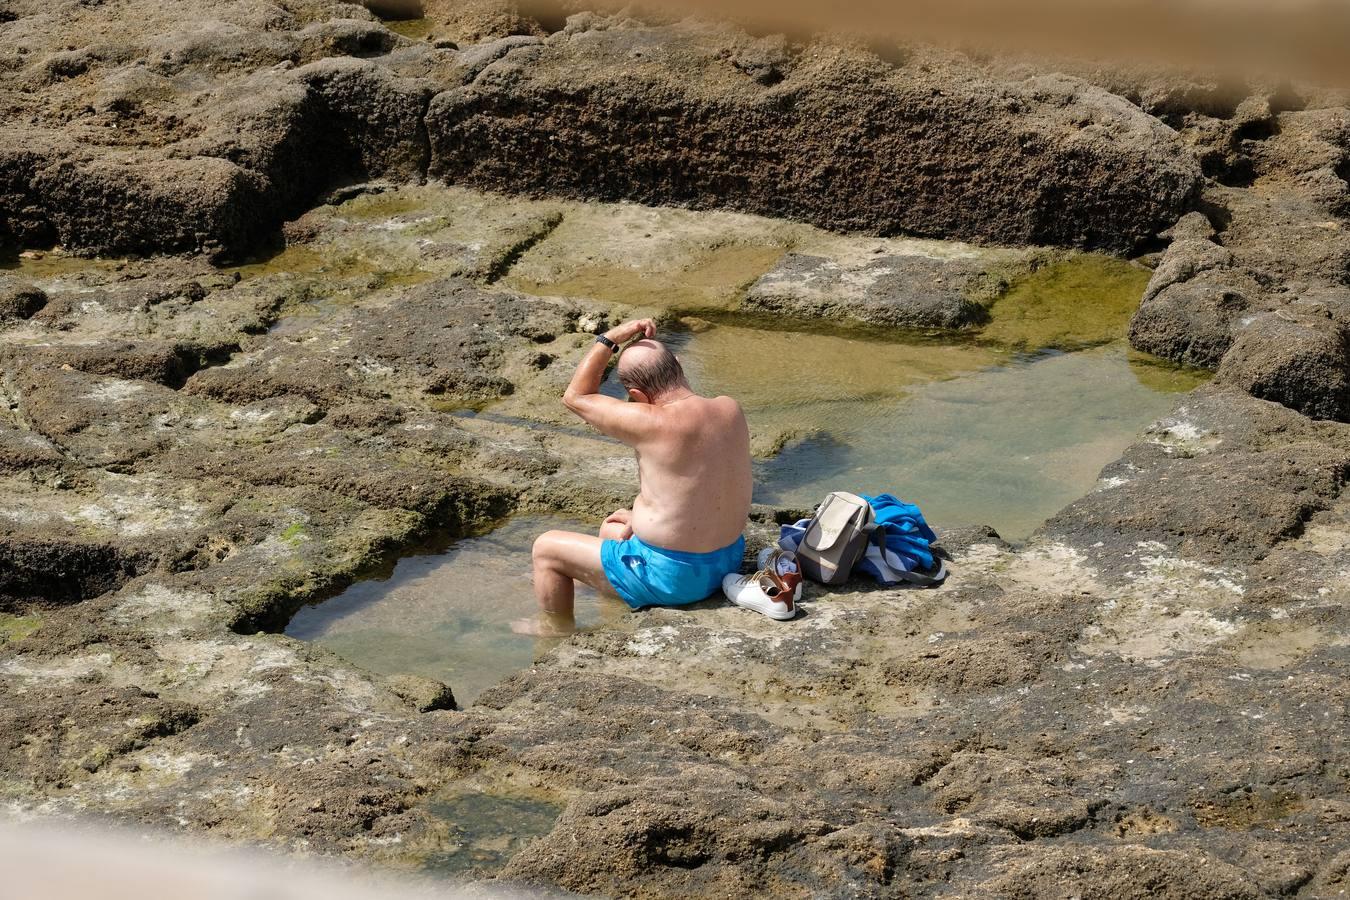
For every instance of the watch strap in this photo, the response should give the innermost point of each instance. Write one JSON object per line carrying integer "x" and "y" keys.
{"x": 613, "y": 347}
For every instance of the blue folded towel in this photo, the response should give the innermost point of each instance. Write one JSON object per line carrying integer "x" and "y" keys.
{"x": 907, "y": 536}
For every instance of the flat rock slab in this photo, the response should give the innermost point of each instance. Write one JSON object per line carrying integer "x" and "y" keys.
{"x": 384, "y": 235}
{"x": 448, "y": 338}
{"x": 901, "y": 291}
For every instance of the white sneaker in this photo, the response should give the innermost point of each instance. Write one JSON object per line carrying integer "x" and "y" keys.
{"x": 771, "y": 590}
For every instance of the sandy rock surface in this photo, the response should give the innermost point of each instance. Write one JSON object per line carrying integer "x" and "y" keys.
{"x": 1149, "y": 698}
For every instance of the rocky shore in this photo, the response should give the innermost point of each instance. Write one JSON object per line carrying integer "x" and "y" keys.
{"x": 1149, "y": 698}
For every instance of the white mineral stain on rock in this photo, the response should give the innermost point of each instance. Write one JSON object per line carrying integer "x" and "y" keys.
{"x": 227, "y": 668}
{"x": 67, "y": 669}
{"x": 135, "y": 506}
{"x": 162, "y": 609}
{"x": 25, "y": 514}
{"x": 1163, "y": 611}
{"x": 955, "y": 827}
{"x": 650, "y": 642}
{"x": 1053, "y": 568}
{"x": 981, "y": 556}
{"x": 252, "y": 415}
{"x": 374, "y": 368}
{"x": 1177, "y": 435}
{"x": 167, "y": 764}
{"x": 1144, "y": 630}
{"x": 115, "y": 391}
{"x": 1162, "y": 569}
{"x": 264, "y": 657}
{"x": 1123, "y": 715}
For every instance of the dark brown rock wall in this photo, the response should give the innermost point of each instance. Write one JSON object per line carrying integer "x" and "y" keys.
{"x": 845, "y": 142}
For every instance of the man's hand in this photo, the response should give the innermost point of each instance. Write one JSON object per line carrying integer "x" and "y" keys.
{"x": 618, "y": 525}
{"x": 621, "y": 334}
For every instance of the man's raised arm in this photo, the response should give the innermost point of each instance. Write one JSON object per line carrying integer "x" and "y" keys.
{"x": 614, "y": 417}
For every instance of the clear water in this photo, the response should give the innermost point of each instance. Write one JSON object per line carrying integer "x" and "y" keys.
{"x": 446, "y": 613}
{"x": 972, "y": 434}
{"x": 485, "y": 830}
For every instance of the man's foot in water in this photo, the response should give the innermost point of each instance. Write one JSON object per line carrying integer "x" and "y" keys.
{"x": 546, "y": 625}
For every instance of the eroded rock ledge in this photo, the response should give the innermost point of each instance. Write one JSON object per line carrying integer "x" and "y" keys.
{"x": 1257, "y": 284}
{"x": 203, "y": 132}
{"x": 844, "y": 140}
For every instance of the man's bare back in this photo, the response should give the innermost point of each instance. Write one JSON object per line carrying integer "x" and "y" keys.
{"x": 684, "y": 530}
{"x": 694, "y": 476}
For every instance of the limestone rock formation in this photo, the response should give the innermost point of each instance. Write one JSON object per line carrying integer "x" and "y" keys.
{"x": 898, "y": 291}
{"x": 1301, "y": 363}
{"x": 199, "y": 133}
{"x": 1147, "y": 698}
{"x": 845, "y": 141}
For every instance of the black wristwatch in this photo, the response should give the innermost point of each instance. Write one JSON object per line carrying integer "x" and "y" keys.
{"x": 613, "y": 347}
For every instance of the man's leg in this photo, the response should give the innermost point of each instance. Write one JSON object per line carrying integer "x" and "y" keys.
{"x": 562, "y": 558}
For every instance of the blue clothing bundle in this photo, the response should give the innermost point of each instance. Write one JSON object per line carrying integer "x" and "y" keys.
{"x": 904, "y": 546}
{"x": 900, "y": 549}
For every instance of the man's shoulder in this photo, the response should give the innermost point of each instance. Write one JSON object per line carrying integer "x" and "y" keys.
{"x": 696, "y": 414}
{"x": 723, "y": 405}
{"x": 725, "y": 410}
{"x": 731, "y": 404}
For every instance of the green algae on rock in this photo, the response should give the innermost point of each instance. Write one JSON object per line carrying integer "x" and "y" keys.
{"x": 16, "y": 628}
{"x": 1080, "y": 301}
{"x": 413, "y": 29}
{"x": 1164, "y": 376}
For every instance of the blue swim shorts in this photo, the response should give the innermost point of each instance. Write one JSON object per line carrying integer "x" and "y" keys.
{"x": 644, "y": 575}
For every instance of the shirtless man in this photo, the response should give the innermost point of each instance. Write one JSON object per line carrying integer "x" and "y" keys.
{"x": 684, "y": 530}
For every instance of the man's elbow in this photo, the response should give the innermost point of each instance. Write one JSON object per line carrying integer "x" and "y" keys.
{"x": 573, "y": 401}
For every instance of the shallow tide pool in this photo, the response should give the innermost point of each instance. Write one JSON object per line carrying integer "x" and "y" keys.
{"x": 1001, "y": 427}
{"x": 446, "y": 612}
{"x": 972, "y": 435}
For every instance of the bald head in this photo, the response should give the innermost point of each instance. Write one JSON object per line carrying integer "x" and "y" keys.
{"x": 649, "y": 367}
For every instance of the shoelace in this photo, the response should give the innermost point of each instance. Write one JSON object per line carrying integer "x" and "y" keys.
{"x": 766, "y": 583}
